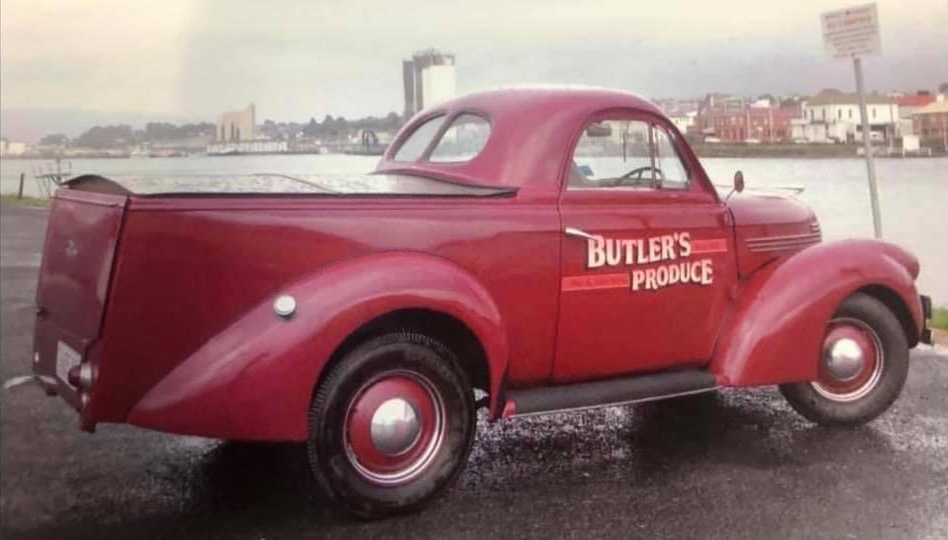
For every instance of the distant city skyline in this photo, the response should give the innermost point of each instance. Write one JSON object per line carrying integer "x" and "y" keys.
{"x": 181, "y": 61}
{"x": 31, "y": 125}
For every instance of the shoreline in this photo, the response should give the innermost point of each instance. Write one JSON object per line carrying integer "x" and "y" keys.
{"x": 706, "y": 150}
{"x": 796, "y": 151}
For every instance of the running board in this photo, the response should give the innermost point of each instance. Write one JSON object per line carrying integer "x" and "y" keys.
{"x": 591, "y": 395}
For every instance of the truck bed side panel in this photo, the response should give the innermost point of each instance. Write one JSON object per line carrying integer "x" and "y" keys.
{"x": 189, "y": 269}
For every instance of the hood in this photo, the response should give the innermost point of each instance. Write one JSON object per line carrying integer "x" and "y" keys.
{"x": 767, "y": 227}
{"x": 768, "y": 210}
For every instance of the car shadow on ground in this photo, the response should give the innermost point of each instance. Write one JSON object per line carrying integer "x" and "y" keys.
{"x": 650, "y": 442}
{"x": 713, "y": 429}
{"x": 255, "y": 488}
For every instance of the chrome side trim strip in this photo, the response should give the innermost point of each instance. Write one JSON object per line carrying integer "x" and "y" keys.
{"x": 572, "y": 231}
{"x": 778, "y": 238}
{"x": 781, "y": 248}
{"x": 764, "y": 244}
{"x": 783, "y": 243}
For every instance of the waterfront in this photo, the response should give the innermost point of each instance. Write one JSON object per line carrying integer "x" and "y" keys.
{"x": 913, "y": 192}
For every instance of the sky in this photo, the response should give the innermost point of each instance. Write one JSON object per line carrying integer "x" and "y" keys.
{"x": 182, "y": 60}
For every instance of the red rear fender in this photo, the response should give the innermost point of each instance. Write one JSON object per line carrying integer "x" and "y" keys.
{"x": 777, "y": 327}
{"x": 255, "y": 379}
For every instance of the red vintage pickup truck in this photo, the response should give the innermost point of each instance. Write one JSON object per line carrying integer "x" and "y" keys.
{"x": 555, "y": 249}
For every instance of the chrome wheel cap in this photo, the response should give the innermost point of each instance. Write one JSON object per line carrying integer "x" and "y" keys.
{"x": 852, "y": 363}
{"x": 395, "y": 427}
{"x": 844, "y": 359}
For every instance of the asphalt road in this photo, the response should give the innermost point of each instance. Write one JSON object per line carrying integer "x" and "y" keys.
{"x": 739, "y": 464}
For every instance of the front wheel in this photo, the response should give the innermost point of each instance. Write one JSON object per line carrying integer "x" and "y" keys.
{"x": 862, "y": 367}
{"x": 391, "y": 426}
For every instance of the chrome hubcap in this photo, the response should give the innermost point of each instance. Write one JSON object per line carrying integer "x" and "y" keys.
{"x": 395, "y": 427}
{"x": 852, "y": 362}
{"x": 844, "y": 359}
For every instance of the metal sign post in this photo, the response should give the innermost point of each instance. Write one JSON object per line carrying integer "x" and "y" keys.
{"x": 854, "y": 33}
{"x": 867, "y": 146}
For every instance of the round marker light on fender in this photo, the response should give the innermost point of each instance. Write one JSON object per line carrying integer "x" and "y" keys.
{"x": 284, "y": 306}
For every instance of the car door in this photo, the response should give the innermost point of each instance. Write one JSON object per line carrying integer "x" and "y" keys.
{"x": 646, "y": 256}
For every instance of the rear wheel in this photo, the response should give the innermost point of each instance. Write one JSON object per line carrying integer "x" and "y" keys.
{"x": 391, "y": 426}
{"x": 862, "y": 367}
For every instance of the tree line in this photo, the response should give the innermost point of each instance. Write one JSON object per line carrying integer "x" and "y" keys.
{"x": 330, "y": 128}
{"x": 124, "y": 135}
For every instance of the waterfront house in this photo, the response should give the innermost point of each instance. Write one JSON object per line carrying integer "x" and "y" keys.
{"x": 13, "y": 148}
{"x": 908, "y": 106}
{"x": 833, "y": 116}
{"x": 930, "y": 123}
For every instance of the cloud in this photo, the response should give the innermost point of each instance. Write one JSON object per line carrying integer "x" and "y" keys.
{"x": 297, "y": 58}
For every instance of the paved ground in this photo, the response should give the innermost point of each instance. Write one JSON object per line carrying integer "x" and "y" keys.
{"x": 735, "y": 465}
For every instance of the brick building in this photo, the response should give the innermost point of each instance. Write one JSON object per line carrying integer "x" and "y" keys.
{"x": 930, "y": 123}
{"x": 732, "y": 119}
{"x": 908, "y": 106}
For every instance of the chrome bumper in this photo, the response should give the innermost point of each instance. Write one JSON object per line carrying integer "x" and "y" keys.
{"x": 926, "y": 334}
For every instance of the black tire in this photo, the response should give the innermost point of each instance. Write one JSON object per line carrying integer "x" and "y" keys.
{"x": 806, "y": 397}
{"x": 333, "y": 464}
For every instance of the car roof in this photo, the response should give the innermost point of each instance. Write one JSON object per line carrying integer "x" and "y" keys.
{"x": 532, "y": 129}
{"x": 540, "y": 96}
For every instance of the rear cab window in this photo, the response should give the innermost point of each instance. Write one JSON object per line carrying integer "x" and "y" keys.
{"x": 464, "y": 139}
{"x": 461, "y": 141}
{"x": 419, "y": 140}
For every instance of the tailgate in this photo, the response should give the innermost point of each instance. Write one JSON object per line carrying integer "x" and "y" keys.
{"x": 81, "y": 239}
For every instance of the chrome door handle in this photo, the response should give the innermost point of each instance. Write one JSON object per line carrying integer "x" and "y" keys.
{"x": 572, "y": 231}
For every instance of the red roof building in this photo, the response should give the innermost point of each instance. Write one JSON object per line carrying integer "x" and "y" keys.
{"x": 931, "y": 125}
{"x": 915, "y": 101}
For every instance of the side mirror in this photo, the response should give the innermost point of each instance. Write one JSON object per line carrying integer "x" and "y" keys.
{"x": 738, "y": 185}
{"x": 738, "y": 181}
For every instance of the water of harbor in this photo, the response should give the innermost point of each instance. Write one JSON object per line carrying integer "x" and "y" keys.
{"x": 913, "y": 192}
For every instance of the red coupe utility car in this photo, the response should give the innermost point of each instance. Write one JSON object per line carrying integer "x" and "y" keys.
{"x": 557, "y": 249}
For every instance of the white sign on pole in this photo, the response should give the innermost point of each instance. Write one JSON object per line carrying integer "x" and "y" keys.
{"x": 854, "y": 33}
{"x": 851, "y": 32}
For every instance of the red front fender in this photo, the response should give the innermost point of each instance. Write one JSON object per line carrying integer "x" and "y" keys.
{"x": 776, "y": 330}
{"x": 255, "y": 379}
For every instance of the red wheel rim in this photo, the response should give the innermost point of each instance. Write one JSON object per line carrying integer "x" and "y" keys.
{"x": 852, "y": 361}
{"x": 394, "y": 427}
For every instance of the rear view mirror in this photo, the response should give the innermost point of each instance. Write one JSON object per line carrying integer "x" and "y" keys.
{"x": 738, "y": 181}
{"x": 738, "y": 185}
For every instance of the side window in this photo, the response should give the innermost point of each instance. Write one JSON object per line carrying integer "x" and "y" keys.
{"x": 464, "y": 139}
{"x": 416, "y": 143}
{"x": 668, "y": 164}
{"x": 626, "y": 154}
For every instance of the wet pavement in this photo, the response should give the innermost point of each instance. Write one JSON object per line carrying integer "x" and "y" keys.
{"x": 738, "y": 464}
